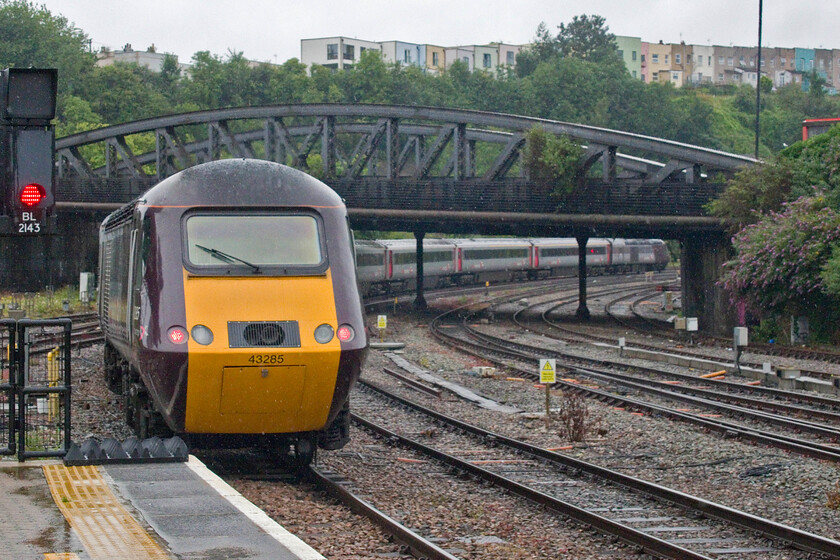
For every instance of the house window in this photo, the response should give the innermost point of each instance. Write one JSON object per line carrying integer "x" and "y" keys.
{"x": 435, "y": 59}
{"x": 782, "y": 61}
{"x": 332, "y": 51}
{"x": 720, "y": 77}
{"x": 699, "y": 61}
{"x": 678, "y": 58}
{"x": 654, "y": 58}
{"x": 349, "y": 52}
{"x": 730, "y": 61}
{"x": 643, "y": 59}
{"x": 620, "y": 53}
{"x": 406, "y": 56}
{"x": 509, "y": 57}
{"x": 666, "y": 59}
{"x": 741, "y": 60}
{"x": 634, "y": 73}
{"x": 763, "y": 61}
{"x": 822, "y": 64}
{"x": 675, "y": 76}
{"x": 710, "y": 61}
{"x": 633, "y": 56}
{"x": 466, "y": 60}
{"x": 487, "y": 60}
{"x": 720, "y": 60}
{"x": 772, "y": 63}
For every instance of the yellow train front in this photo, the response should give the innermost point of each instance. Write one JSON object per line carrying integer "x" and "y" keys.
{"x": 230, "y": 309}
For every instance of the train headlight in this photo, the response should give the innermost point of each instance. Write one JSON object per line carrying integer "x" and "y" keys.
{"x": 346, "y": 333}
{"x": 201, "y": 334}
{"x": 324, "y": 333}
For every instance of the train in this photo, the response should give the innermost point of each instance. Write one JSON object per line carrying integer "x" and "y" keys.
{"x": 390, "y": 266}
{"x": 230, "y": 309}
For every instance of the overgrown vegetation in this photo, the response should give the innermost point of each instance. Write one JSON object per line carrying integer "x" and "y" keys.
{"x": 552, "y": 161}
{"x": 787, "y": 217}
{"x": 576, "y": 420}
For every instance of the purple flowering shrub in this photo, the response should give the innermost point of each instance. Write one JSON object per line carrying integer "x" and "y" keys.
{"x": 780, "y": 259}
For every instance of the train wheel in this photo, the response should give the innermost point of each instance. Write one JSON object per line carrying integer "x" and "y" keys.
{"x": 112, "y": 370}
{"x": 305, "y": 448}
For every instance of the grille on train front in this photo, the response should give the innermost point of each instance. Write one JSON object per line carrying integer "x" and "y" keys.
{"x": 264, "y": 334}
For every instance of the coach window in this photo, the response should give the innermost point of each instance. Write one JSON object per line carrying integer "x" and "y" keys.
{"x": 262, "y": 243}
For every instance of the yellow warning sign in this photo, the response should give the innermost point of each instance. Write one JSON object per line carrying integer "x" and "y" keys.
{"x": 548, "y": 369}
{"x": 382, "y": 321}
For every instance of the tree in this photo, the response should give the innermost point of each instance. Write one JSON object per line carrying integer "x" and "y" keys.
{"x": 588, "y": 38}
{"x": 31, "y": 36}
{"x": 552, "y": 161}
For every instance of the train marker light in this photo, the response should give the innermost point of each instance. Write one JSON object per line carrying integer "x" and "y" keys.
{"x": 324, "y": 333}
{"x": 346, "y": 333}
{"x": 32, "y": 194}
{"x": 177, "y": 335}
{"x": 201, "y": 334}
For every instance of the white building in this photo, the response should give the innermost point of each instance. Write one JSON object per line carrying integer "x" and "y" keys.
{"x": 338, "y": 53}
{"x": 149, "y": 58}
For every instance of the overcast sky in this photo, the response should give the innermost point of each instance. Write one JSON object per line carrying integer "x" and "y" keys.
{"x": 271, "y": 30}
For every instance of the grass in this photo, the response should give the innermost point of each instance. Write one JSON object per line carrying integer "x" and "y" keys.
{"x": 46, "y": 304}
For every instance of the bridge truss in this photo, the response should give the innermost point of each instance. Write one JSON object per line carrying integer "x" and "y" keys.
{"x": 400, "y": 159}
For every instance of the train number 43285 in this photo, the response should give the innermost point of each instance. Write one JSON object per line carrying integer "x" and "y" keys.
{"x": 266, "y": 359}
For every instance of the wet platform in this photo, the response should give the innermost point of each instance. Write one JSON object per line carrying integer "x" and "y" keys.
{"x": 152, "y": 511}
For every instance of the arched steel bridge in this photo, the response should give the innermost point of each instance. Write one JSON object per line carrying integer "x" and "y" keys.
{"x": 421, "y": 168}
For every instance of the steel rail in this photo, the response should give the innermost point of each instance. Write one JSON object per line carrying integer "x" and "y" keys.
{"x": 797, "y": 537}
{"x": 419, "y": 547}
{"x": 481, "y": 349}
{"x": 812, "y": 449}
{"x": 627, "y": 534}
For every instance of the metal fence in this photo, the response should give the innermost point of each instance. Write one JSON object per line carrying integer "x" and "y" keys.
{"x": 35, "y": 388}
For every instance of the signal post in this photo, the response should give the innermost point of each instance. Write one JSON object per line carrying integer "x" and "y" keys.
{"x": 27, "y": 176}
{"x": 27, "y": 150}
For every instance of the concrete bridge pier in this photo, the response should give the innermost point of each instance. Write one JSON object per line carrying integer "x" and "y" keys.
{"x": 701, "y": 264}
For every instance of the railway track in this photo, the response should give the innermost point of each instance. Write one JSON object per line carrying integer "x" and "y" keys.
{"x": 503, "y": 351}
{"x": 660, "y": 521}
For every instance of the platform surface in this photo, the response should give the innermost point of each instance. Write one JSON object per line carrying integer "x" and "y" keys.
{"x": 155, "y": 511}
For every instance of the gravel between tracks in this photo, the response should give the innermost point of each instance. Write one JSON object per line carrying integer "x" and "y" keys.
{"x": 767, "y": 482}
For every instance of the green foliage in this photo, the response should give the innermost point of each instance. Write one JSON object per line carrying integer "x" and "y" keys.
{"x": 552, "y": 161}
{"x": 780, "y": 258}
{"x": 755, "y": 191}
{"x": 830, "y": 273}
{"x": 31, "y": 36}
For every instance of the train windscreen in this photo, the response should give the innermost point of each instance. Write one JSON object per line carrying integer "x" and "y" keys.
{"x": 248, "y": 240}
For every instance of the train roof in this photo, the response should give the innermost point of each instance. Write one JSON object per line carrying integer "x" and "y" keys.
{"x": 411, "y": 244}
{"x": 492, "y": 242}
{"x": 241, "y": 182}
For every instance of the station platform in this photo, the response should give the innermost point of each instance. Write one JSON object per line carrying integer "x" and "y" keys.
{"x": 138, "y": 512}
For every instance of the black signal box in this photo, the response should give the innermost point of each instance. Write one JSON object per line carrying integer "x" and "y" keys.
{"x": 28, "y": 94}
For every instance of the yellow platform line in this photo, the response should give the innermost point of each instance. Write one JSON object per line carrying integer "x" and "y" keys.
{"x": 61, "y": 556}
{"x": 106, "y": 529}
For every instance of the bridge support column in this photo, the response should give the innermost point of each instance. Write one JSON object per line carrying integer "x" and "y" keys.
{"x": 701, "y": 264}
{"x": 582, "y": 312}
{"x": 419, "y": 299}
